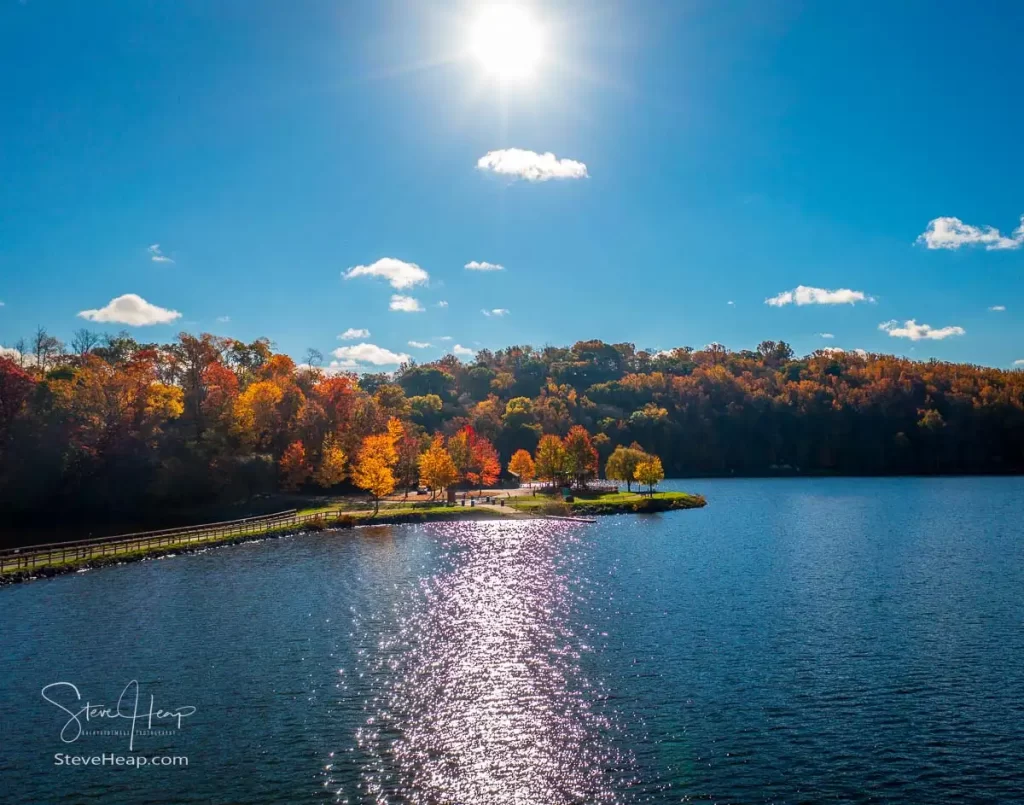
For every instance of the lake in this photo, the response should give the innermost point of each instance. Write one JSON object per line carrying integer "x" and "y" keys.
{"x": 796, "y": 641}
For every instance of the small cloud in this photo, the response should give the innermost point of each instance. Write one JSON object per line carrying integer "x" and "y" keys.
{"x": 444, "y": 338}
{"x": 350, "y": 357}
{"x": 406, "y": 304}
{"x": 998, "y": 308}
{"x": 730, "y": 302}
{"x": 156, "y": 255}
{"x": 804, "y": 295}
{"x": 952, "y": 233}
{"x": 458, "y": 349}
{"x": 840, "y": 351}
{"x": 530, "y": 165}
{"x": 223, "y": 319}
{"x": 473, "y": 265}
{"x": 420, "y": 344}
{"x": 442, "y": 303}
{"x": 917, "y": 332}
{"x": 498, "y": 311}
{"x": 354, "y": 332}
{"x": 131, "y": 309}
{"x": 826, "y": 335}
{"x": 1015, "y": 363}
{"x": 397, "y": 272}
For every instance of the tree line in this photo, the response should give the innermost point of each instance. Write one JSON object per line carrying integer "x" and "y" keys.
{"x": 112, "y": 424}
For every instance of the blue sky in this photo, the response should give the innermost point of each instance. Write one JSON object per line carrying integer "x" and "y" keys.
{"x": 733, "y": 151}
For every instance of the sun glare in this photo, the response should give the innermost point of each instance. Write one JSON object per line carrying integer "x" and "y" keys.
{"x": 508, "y": 42}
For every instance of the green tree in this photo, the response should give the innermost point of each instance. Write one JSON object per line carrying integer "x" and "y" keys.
{"x": 622, "y": 464}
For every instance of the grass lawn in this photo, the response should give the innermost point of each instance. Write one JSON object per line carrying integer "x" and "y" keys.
{"x": 609, "y": 503}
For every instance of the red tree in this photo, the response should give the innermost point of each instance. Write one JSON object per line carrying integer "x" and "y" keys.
{"x": 15, "y": 387}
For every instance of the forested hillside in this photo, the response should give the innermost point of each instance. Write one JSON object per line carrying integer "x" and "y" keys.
{"x": 113, "y": 424}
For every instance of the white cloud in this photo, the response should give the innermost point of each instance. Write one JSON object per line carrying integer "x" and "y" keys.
{"x": 156, "y": 255}
{"x": 917, "y": 332}
{"x": 498, "y": 311}
{"x": 458, "y": 349}
{"x": 10, "y": 352}
{"x": 223, "y": 319}
{"x": 998, "y": 308}
{"x": 349, "y": 357}
{"x": 474, "y": 265}
{"x": 444, "y": 338}
{"x": 530, "y": 165}
{"x": 419, "y": 344}
{"x": 354, "y": 332}
{"x": 839, "y": 351}
{"x": 826, "y": 335}
{"x": 406, "y": 304}
{"x": 803, "y": 295}
{"x": 1019, "y": 363}
{"x": 442, "y": 303}
{"x": 131, "y": 309}
{"x": 952, "y": 233}
{"x": 730, "y": 302}
{"x": 399, "y": 273}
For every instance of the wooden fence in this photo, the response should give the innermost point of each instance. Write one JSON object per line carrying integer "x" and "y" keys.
{"x": 35, "y": 556}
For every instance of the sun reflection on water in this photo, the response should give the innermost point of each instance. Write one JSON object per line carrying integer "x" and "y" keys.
{"x": 480, "y": 696}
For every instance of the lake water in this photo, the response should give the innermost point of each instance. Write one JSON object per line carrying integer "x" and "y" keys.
{"x": 797, "y": 641}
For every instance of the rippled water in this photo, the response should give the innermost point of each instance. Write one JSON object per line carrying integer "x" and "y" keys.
{"x": 796, "y": 641}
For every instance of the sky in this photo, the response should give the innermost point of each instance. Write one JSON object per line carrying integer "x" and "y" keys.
{"x": 373, "y": 181}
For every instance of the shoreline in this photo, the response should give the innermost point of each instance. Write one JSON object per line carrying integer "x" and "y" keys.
{"x": 661, "y": 502}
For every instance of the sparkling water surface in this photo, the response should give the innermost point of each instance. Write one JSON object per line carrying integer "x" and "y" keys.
{"x": 797, "y": 641}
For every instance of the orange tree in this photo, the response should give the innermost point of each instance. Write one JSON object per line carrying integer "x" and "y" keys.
{"x": 521, "y": 465}
{"x": 294, "y": 466}
{"x": 580, "y": 455}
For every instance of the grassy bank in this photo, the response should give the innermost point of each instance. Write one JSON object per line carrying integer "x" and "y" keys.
{"x": 610, "y": 503}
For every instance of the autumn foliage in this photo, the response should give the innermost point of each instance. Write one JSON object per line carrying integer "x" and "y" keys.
{"x": 521, "y": 465}
{"x": 118, "y": 426}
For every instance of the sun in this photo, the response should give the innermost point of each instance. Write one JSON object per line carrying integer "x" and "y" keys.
{"x": 508, "y": 42}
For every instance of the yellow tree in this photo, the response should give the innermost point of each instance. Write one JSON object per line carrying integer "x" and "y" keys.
{"x": 332, "y": 464}
{"x": 622, "y": 464}
{"x": 373, "y": 470}
{"x": 257, "y": 418}
{"x": 460, "y": 450}
{"x": 649, "y": 472}
{"x": 550, "y": 459}
{"x": 437, "y": 470}
{"x": 522, "y": 466}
